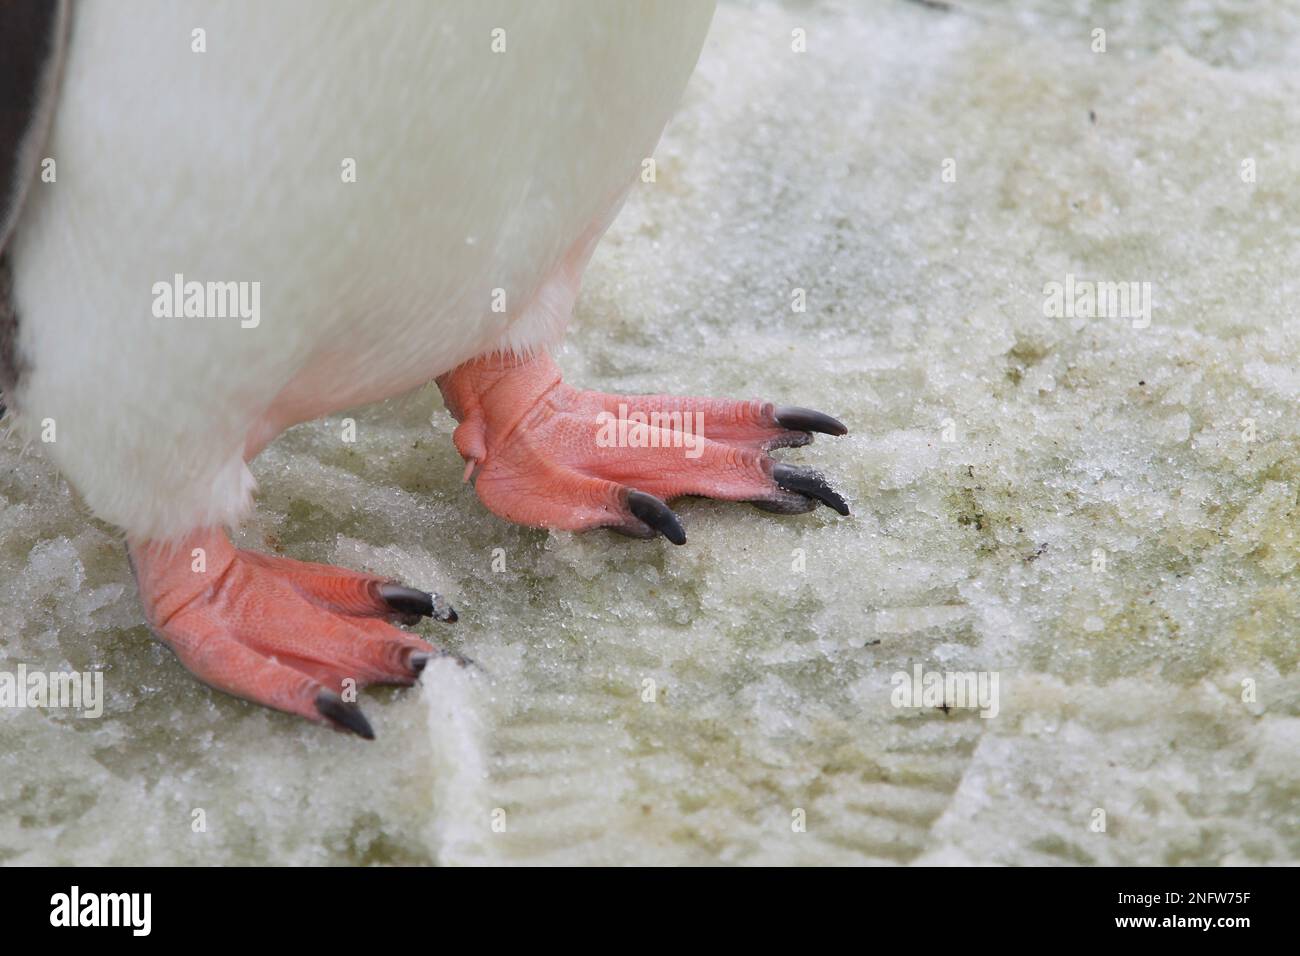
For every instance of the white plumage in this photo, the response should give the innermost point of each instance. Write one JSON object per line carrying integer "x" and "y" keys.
{"x": 475, "y": 171}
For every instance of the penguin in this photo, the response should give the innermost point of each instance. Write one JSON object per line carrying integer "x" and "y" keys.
{"x": 221, "y": 220}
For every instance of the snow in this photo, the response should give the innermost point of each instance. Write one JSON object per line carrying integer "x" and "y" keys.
{"x": 1101, "y": 513}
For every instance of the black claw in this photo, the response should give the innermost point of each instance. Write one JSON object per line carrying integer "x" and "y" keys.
{"x": 411, "y": 601}
{"x": 650, "y": 510}
{"x": 418, "y": 660}
{"x": 404, "y": 600}
{"x": 344, "y": 715}
{"x": 806, "y": 420}
{"x": 809, "y": 484}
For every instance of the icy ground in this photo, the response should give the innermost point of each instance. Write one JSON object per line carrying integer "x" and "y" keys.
{"x": 1111, "y": 527}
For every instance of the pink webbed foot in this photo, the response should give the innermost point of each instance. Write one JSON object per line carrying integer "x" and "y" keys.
{"x": 291, "y": 635}
{"x": 550, "y": 455}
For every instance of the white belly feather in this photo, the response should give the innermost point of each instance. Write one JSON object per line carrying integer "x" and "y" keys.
{"x": 476, "y": 171}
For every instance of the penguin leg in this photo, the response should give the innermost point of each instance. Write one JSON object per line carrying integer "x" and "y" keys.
{"x": 295, "y": 636}
{"x": 550, "y": 455}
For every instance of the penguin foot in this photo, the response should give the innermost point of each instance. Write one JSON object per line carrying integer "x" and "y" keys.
{"x": 549, "y": 455}
{"x": 298, "y": 637}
